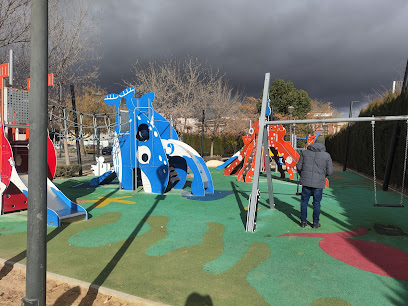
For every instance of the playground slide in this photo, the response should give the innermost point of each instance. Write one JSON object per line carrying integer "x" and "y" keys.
{"x": 105, "y": 178}
{"x": 202, "y": 181}
{"x": 59, "y": 207}
{"x": 228, "y": 161}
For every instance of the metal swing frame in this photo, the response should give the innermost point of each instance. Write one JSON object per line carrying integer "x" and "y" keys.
{"x": 253, "y": 198}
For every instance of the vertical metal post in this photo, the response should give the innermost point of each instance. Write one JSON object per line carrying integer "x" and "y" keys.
{"x": 171, "y": 127}
{"x": 95, "y": 135}
{"x": 268, "y": 169}
{"x": 136, "y": 122}
{"x": 59, "y": 102}
{"x": 11, "y": 61}
{"x": 76, "y": 129}
{"x": 290, "y": 128}
{"x": 37, "y": 160}
{"x": 98, "y": 132}
{"x": 202, "y": 134}
{"x": 252, "y": 205}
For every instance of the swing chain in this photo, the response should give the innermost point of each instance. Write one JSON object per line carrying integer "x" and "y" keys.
{"x": 374, "y": 175}
{"x": 405, "y": 165}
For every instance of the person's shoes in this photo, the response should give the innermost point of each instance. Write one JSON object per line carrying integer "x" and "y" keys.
{"x": 303, "y": 224}
{"x": 316, "y": 225}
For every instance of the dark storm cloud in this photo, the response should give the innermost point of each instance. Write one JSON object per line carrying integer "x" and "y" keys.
{"x": 335, "y": 50}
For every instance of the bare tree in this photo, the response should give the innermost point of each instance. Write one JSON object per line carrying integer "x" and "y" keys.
{"x": 184, "y": 88}
{"x": 14, "y": 22}
{"x": 181, "y": 87}
{"x": 241, "y": 117}
{"x": 72, "y": 40}
{"x": 162, "y": 79}
{"x": 223, "y": 108}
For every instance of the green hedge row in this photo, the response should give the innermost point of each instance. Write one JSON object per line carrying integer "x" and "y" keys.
{"x": 360, "y": 154}
{"x": 67, "y": 170}
{"x": 223, "y": 146}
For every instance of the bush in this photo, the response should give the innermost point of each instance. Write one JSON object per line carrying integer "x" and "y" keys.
{"x": 360, "y": 156}
{"x": 68, "y": 170}
{"x": 223, "y": 146}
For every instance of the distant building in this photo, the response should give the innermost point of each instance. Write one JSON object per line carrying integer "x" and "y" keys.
{"x": 189, "y": 125}
{"x": 325, "y": 128}
{"x": 396, "y": 86}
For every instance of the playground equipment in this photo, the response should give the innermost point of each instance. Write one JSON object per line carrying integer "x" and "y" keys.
{"x": 242, "y": 163}
{"x": 14, "y": 136}
{"x": 147, "y": 152}
{"x": 253, "y": 203}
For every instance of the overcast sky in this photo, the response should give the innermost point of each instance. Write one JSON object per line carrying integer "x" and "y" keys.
{"x": 335, "y": 50}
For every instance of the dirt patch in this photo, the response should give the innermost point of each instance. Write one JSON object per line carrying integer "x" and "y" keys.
{"x": 12, "y": 290}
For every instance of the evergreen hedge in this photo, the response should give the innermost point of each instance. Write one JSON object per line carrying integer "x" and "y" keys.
{"x": 223, "y": 146}
{"x": 360, "y": 155}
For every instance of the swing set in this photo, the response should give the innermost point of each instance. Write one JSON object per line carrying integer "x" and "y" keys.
{"x": 403, "y": 174}
{"x": 253, "y": 198}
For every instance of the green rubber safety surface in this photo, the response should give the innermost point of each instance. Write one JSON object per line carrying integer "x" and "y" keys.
{"x": 180, "y": 249}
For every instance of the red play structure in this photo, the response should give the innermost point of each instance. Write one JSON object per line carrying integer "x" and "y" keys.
{"x": 14, "y": 149}
{"x": 242, "y": 163}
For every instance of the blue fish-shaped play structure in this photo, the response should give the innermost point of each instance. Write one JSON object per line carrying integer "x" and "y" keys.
{"x": 147, "y": 152}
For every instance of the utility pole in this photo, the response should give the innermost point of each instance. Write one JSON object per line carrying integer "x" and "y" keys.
{"x": 202, "y": 134}
{"x": 37, "y": 159}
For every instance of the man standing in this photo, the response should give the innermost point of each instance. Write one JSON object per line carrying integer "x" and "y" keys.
{"x": 313, "y": 167}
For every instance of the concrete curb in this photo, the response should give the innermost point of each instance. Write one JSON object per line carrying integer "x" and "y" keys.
{"x": 76, "y": 282}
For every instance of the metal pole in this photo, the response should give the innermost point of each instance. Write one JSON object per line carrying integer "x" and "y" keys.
{"x": 331, "y": 120}
{"x": 37, "y": 182}
{"x": 202, "y": 134}
{"x": 76, "y": 129}
{"x": 11, "y": 61}
{"x": 98, "y": 132}
{"x": 290, "y": 128}
{"x": 268, "y": 169}
{"x": 59, "y": 102}
{"x": 252, "y": 206}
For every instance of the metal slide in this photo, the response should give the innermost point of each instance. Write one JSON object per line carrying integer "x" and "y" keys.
{"x": 60, "y": 209}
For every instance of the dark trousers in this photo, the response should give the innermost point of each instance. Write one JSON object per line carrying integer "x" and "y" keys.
{"x": 317, "y": 194}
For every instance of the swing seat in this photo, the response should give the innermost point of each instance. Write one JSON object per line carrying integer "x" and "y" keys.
{"x": 388, "y": 205}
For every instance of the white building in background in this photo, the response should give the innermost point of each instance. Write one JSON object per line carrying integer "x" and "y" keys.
{"x": 189, "y": 125}
{"x": 396, "y": 86}
{"x": 328, "y": 128}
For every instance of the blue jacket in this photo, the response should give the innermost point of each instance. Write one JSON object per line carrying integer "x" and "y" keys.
{"x": 314, "y": 165}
